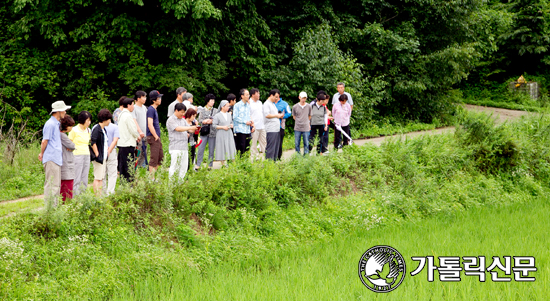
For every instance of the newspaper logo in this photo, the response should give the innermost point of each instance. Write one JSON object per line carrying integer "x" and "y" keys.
{"x": 382, "y": 269}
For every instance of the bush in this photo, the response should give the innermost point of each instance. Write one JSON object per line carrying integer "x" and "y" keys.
{"x": 92, "y": 247}
{"x": 493, "y": 147}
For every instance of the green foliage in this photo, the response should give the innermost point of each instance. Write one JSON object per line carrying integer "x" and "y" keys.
{"x": 397, "y": 59}
{"x": 493, "y": 147}
{"x": 317, "y": 269}
{"x": 93, "y": 247}
{"x": 531, "y": 32}
{"x": 498, "y": 94}
{"x": 318, "y": 63}
{"x": 522, "y": 50}
{"x": 25, "y": 177}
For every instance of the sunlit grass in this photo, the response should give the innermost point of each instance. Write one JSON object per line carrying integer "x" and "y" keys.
{"x": 328, "y": 270}
{"x": 9, "y": 208}
{"x": 25, "y": 177}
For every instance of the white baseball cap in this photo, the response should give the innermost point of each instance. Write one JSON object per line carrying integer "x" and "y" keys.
{"x": 59, "y": 106}
{"x": 303, "y": 94}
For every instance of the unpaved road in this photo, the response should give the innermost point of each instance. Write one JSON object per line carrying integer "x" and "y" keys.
{"x": 501, "y": 115}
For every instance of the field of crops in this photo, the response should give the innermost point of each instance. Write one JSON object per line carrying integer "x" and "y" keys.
{"x": 327, "y": 270}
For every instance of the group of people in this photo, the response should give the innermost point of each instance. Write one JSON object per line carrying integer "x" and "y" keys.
{"x": 117, "y": 148}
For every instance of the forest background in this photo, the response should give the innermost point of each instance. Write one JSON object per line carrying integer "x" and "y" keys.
{"x": 406, "y": 62}
{"x": 403, "y": 60}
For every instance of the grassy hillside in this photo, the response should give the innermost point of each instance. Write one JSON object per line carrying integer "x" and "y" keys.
{"x": 102, "y": 248}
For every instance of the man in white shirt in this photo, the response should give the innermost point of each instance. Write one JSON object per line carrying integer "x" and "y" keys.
{"x": 272, "y": 125}
{"x": 257, "y": 116}
{"x": 179, "y": 99}
{"x": 188, "y": 101}
{"x": 126, "y": 144}
{"x": 341, "y": 87}
{"x": 140, "y": 116}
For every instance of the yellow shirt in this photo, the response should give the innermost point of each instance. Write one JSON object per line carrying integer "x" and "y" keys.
{"x": 81, "y": 140}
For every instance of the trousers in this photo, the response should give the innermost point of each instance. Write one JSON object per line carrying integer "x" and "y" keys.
{"x": 52, "y": 184}
{"x": 178, "y": 163}
{"x": 299, "y": 136}
{"x": 258, "y": 137}
{"x": 126, "y": 158}
{"x": 111, "y": 173}
{"x": 211, "y": 141}
{"x": 272, "y": 147}
{"x": 81, "y": 170}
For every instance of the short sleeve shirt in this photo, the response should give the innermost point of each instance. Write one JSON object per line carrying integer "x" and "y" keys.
{"x": 81, "y": 139}
{"x": 116, "y": 114}
{"x": 178, "y": 140}
{"x": 140, "y": 115}
{"x": 187, "y": 104}
{"x": 336, "y": 98}
{"x": 241, "y": 115}
{"x": 172, "y": 108}
{"x": 152, "y": 113}
{"x": 271, "y": 124}
{"x": 53, "y": 150}
{"x": 112, "y": 132}
{"x": 257, "y": 114}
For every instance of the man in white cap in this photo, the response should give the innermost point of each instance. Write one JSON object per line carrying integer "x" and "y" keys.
{"x": 51, "y": 154}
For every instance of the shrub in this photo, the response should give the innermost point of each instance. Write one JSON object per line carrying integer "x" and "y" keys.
{"x": 492, "y": 146}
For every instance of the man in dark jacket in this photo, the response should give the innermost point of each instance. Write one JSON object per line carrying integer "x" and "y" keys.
{"x": 99, "y": 145}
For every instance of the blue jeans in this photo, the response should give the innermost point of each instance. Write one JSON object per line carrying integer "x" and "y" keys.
{"x": 297, "y": 136}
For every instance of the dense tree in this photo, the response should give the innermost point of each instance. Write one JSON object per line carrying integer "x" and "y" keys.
{"x": 397, "y": 57}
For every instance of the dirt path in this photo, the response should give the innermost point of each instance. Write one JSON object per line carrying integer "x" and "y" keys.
{"x": 501, "y": 115}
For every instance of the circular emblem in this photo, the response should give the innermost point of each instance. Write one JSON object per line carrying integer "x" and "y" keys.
{"x": 382, "y": 269}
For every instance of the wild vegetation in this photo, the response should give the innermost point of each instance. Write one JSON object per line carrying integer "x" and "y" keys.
{"x": 397, "y": 58}
{"x": 24, "y": 177}
{"x": 325, "y": 270}
{"x": 101, "y": 248}
{"x": 406, "y": 63}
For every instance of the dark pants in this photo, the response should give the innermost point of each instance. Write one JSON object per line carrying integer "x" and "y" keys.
{"x": 126, "y": 158}
{"x": 144, "y": 151}
{"x": 325, "y": 139}
{"x": 338, "y": 136}
{"x": 272, "y": 148}
{"x": 281, "y": 138}
{"x": 193, "y": 151}
{"x": 242, "y": 142}
{"x": 317, "y": 131}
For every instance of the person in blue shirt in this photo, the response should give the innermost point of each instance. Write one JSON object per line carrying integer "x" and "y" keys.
{"x": 282, "y": 107}
{"x": 242, "y": 123}
{"x": 51, "y": 154}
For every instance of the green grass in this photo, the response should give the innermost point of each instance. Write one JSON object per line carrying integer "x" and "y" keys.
{"x": 8, "y": 208}
{"x": 275, "y": 220}
{"x": 328, "y": 270}
{"x": 374, "y": 129}
{"x": 24, "y": 178}
{"x": 503, "y": 105}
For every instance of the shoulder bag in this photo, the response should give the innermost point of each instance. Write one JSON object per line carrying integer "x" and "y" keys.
{"x": 205, "y": 128}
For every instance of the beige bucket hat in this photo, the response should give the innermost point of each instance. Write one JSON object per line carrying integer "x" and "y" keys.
{"x": 59, "y": 106}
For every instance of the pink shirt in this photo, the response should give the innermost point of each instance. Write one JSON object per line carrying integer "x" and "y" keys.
{"x": 341, "y": 113}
